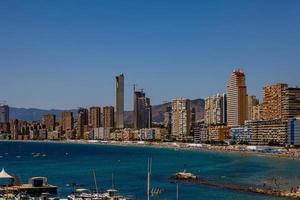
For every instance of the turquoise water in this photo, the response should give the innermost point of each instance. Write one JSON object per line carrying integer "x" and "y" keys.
{"x": 67, "y": 163}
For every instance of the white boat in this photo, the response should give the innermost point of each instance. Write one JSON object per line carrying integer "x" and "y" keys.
{"x": 110, "y": 194}
{"x": 84, "y": 194}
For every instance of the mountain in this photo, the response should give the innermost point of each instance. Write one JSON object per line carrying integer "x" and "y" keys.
{"x": 158, "y": 111}
{"x": 34, "y": 114}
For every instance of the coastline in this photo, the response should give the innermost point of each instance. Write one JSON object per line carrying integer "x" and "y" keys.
{"x": 279, "y": 152}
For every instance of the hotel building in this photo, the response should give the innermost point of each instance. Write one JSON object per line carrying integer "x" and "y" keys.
{"x": 214, "y": 110}
{"x": 67, "y": 121}
{"x": 49, "y": 121}
{"x": 181, "y": 114}
{"x": 95, "y": 117}
{"x": 108, "y": 116}
{"x": 82, "y": 122}
{"x": 273, "y": 97}
{"x": 236, "y": 99}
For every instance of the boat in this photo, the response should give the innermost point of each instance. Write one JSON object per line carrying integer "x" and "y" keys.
{"x": 36, "y": 155}
{"x": 85, "y": 194}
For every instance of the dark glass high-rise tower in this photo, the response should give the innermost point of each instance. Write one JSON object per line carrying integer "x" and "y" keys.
{"x": 120, "y": 101}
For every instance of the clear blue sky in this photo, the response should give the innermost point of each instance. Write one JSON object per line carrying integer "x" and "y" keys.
{"x": 65, "y": 53}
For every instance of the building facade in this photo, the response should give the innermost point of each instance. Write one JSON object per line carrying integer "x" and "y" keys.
{"x": 267, "y": 132}
{"x": 181, "y": 118}
{"x": 236, "y": 99}
{"x": 256, "y": 112}
{"x": 240, "y": 135}
{"x": 95, "y": 117}
{"x": 101, "y": 133}
{"x": 4, "y": 113}
{"x": 108, "y": 116}
{"x": 218, "y": 133}
{"x": 120, "y": 101}
{"x": 214, "y": 110}
{"x": 142, "y": 117}
{"x": 82, "y": 122}
{"x": 201, "y": 134}
{"x": 280, "y": 101}
{"x": 49, "y": 121}
{"x": 291, "y": 103}
{"x": 67, "y": 121}
{"x": 294, "y": 132}
{"x": 168, "y": 119}
{"x": 252, "y": 103}
{"x": 273, "y": 96}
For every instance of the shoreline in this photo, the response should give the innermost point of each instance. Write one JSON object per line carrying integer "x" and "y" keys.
{"x": 231, "y": 149}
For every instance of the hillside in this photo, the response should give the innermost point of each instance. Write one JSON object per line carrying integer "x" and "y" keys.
{"x": 34, "y": 114}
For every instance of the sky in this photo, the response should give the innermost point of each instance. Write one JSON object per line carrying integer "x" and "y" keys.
{"x": 66, "y": 53}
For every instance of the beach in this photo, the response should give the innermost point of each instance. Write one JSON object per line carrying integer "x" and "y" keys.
{"x": 278, "y": 152}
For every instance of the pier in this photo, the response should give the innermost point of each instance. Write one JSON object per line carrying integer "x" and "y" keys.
{"x": 31, "y": 190}
{"x": 189, "y": 178}
{"x": 35, "y": 187}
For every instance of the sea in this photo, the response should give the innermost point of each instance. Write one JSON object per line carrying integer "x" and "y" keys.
{"x": 67, "y": 164}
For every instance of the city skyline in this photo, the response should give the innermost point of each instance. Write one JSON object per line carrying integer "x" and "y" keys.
{"x": 130, "y": 107}
{"x": 205, "y": 93}
{"x": 56, "y": 49}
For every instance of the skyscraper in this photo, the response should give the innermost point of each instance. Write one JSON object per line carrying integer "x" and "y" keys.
{"x": 67, "y": 121}
{"x": 280, "y": 101}
{"x": 237, "y": 99}
{"x": 4, "y": 113}
{"x": 168, "y": 118}
{"x": 82, "y": 122}
{"x": 291, "y": 103}
{"x": 252, "y": 103}
{"x": 120, "y": 101}
{"x": 142, "y": 111}
{"x": 137, "y": 95}
{"x": 273, "y": 96}
{"x": 15, "y": 129}
{"x": 214, "y": 110}
{"x": 225, "y": 108}
{"x": 95, "y": 117}
{"x": 108, "y": 117}
{"x": 193, "y": 117}
{"x": 181, "y": 118}
{"x": 49, "y": 121}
